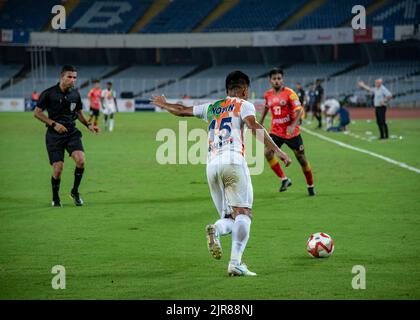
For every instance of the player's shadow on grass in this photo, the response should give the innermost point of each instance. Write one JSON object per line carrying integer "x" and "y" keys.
{"x": 139, "y": 201}
{"x": 307, "y": 261}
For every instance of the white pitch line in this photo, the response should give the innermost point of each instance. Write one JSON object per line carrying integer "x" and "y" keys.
{"x": 373, "y": 154}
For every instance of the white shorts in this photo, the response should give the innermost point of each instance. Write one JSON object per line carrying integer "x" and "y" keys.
{"x": 230, "y": 186}
{"x": 109, "y": 110}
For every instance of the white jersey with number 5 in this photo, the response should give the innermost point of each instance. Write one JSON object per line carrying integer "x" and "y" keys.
{"x": 227, "y": 171}
{"x": 226, "y": 127}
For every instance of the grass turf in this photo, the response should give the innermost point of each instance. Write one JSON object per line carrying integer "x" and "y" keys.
{"x": 141, "y": 233}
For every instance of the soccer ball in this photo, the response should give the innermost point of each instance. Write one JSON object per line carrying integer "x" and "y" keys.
{"x": 320, "y": 245}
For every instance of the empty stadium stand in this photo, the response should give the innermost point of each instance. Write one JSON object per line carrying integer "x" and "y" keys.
{"x": 141, "y": 80}
{"x": 330, "y": 14}
{"x": 106, "y": 16}
{"x": 401, "y": 77}
{"x": 201, "y": 74}
{"x": 210, "y": 82}
{"x": 180, "y": 16}
{"x": 167, "y": 16}
{"x": 396, "y": 12}
{"x": 255, "y": 15}
{"x": 18, "y": 15}
{"x": 7, "y": 72}
{"x": 25, "y": 87}
{"x": 391, "y": 72}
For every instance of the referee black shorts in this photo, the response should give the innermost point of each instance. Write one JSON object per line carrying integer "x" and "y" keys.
{"x": 295, "y": 143}
{"x": 56, "y": 143}
{"x": 315, "y": 108}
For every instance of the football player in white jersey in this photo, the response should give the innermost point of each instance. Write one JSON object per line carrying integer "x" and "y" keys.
{"x": 330, "y": 109}
{"x": 227, "y": 171}
{"x": 109, "y": 105}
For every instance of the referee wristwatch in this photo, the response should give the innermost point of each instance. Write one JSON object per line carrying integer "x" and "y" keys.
{"x": 53, "y": 124}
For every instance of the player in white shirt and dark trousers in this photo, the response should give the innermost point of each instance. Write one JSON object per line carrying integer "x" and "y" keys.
{"x": 227, "y": 171}
{"x": 381, "y": 98}
{"x": 109, "y": 105}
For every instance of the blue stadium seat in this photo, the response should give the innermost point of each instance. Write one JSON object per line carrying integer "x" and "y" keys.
{"x": 255, "y": 15}
{"x": 180, "y": 16}
{"x": 333, "y": 13}
{"x": 106, "y": 16}
{"x": 397, "y": 12}
{"x": 26, "y": 14}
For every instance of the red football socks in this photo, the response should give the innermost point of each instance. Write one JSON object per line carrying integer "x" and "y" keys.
{"x": 275, "y": 166}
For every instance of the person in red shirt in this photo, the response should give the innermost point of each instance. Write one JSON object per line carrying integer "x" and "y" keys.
{"x": 94, "y": 96}
{"x": 286, "y": 110}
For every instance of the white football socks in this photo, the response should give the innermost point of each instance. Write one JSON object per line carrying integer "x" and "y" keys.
{"x": 240, "y": 236}
{"x": 111, "y": 124}
{"x": 223, "y": 226}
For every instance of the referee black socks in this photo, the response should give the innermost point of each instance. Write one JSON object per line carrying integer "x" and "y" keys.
{"x": 55, "y": 184}
{"x": 78, "y": 174}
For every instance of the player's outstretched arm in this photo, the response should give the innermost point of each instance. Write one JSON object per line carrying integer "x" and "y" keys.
{"x": 255, "y": 127}
{"x": 174, "y": 108}
{"x": 362, "y": 85}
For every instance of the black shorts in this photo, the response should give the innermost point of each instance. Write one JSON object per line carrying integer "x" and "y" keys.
{"x": 94, "y": 112}
{"x": 295, "y": 143}
{"x": 57, "y": 143}
{"x": 314, "y": 108}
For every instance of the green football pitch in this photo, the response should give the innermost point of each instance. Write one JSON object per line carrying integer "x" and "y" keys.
{"x": 140, "y": 234}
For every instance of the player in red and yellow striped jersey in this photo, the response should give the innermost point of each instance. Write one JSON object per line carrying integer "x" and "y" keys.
{"x": 286, "y": 110}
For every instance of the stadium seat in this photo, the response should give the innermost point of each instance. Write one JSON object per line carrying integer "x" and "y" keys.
{"x": 333, "y": 13}
{"x": 180, "y": 16}
{"x": 15, "y": 15}
{"x": 25, "y": 87}
{"x": 396, "y": 12}
{"x": 254, "y": 15}
{"x": 106, "y": 16}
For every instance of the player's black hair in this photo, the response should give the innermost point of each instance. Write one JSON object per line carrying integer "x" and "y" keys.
{"x": 318, "y": 80}
{"x": 68, "y": 67}
{"x": 236, "y": 79}
{"x": 109, "y": 82}
{"x": 95, "y": 81}
{"x": 275, "y": 71}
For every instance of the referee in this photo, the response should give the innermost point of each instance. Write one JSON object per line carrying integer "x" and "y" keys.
{"x": 64, "y": 106}
{"x": 381, "y": 98}
{"x": 319, "y": 98}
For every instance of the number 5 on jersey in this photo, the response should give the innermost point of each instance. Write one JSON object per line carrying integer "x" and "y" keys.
{"x": 225, "y": 124}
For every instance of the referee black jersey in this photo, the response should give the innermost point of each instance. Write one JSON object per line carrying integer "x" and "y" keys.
{"x": 319, "y": 92}
{"x": 61, "y": 106}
